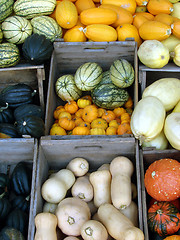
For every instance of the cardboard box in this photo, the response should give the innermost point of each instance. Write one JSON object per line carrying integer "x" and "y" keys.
{"x": 67, "y": 57}
{"x": 56, "y": 154}
{"x": 24, "y": 151}
{"x": 146, "y": 158}
{"x": 149, "y": 75}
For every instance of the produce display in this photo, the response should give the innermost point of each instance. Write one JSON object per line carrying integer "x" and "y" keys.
{"x": 90, "y": 204}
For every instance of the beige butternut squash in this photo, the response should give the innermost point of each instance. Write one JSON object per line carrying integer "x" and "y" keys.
{"x": 131, "y": 212}
{"x": 79, "y": 166}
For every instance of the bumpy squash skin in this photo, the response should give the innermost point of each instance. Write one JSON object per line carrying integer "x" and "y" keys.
{"x": 8, "y": 233}
{"x": 6, "y": 8}
{"x": 9, "y": 55}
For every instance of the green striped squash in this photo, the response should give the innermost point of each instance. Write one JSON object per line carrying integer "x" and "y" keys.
{"x": 105, "y": 78}
{"x": 1, "y": 35}
{"x": 66, "y": 88}
{"x": 6, "y": 8}
{"x": 9, "y": 54}
{"x": 122, "y": 73}
{"x": 88, "y": 75}
{"x": 16, "y": 29}
{"x": 46, "y": 26}
{"x": 33, "y": 8}
{"x": 109, "y": 96}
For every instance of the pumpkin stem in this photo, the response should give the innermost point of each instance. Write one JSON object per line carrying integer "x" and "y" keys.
{"x": 3, "y": 108}
{"x": 34, "y": 93}
{"x": 89, "y": 231}
{"x": 153, "y": 174}
{"x": 159, "y": 211}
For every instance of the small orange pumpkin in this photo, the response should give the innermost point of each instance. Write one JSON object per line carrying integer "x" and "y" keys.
{"x": 111, "y": 131}
{"x": 114, "y": 123}
{"x": 82, "y": 103}
{"x": 80, "y": 131}
{"x": 99, "y": 123}
{"x": 64, "y": 114}
{"x": 71, "y": 107}
{"x": 58, "y": 110}
{"x": 79, "y": 113}
{"x": 125, "y": 117}
{"x": 108, "y": 116}
{"x": 129, "y": 103}
{"x": 124, "y": 129}
{"x": 119, "y": 111}
{"x": 85, "y": 124}
{"x": 90, "y": 113}
{"x": 78, "y": 121}
{"x": 66, "y": 123}
{"x": 57, "y": 130}
{"x": 97, "y": 131}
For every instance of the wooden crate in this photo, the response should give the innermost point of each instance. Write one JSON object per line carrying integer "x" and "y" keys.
{"x": 67, "y": 57}
{"x": 26, "y": 151}
{"x": 148, "y": 75}
{"x": 146, "y": 158}
{"x": 56, "y": 154}
{"x": 32, "y": 75}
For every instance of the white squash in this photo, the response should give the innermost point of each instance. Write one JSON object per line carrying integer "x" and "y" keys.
{"x": 176, "y": 10}
{"x": 167, "y": 90}
{"x": 147, "y": 119}
{"x": 172, "y": 129}
{"x": 160, "y": 142}
{"x": 171, "y": 42}
{"x": 177, "y": 107}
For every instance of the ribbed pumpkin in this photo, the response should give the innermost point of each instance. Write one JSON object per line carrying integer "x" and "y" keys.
{"x": 6, "y": 8}
{"x": 159, "y": 6}
{"x": 154, "y": 30}
{"x": 123, "y": 15}
{"x": 129, "y": 5}
{"x": 164, "y": 18}
{"x": 176, "y": 29}
{"x": 98, "y": 16}
{"x": 127, "y": 30}
{"x": 66, "y": 88}
{"x": 66, "y": 14}
{"x": 83, "y": 5}
{"x": 169, "y": 171}
{"x": 100, "y": 33}
{"x": 75, "y": 34}
{"x": 163, "y": 218}
{"x": 47, "y": 26}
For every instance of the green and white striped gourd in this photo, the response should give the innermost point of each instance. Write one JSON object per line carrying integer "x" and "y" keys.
{"x": 6, "y": 8}
{"x": 105, "y": 78}
{"x": 9, "y": 55}
{"x": 16, "y": 29}
{"x": 109, "y": 96}
{"x": 88, "y": 75}
{"x": 66, "y": 88}
{"x": 33, "y": 8}
{"x": 1, "y": 35}
{"x": 46, "y": 26}
{"x": 122, "y": 73}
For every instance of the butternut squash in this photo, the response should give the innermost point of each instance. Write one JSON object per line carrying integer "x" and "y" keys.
{"x": 118, "y": 225}
{"x": 49, "y": 207}
{"x": 121, "y": 169}
{"x": 79, "y": 166}
{"x": 131, "y": 212}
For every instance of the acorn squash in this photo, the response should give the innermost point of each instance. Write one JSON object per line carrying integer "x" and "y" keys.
{"x": 5, "y": 208}
{"x": 6, "y": 114}
{"x": 8, "y": 130}
{"x": 8, "y": 233}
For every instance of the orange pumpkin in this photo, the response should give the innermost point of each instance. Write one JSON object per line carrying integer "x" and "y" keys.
{"x": 66, "y": 123}
{"x": 129, "y": 5}
{"x": 83, "y": 5}
{"x": 58, "y": 110}
{"x": 173, "y": 237}
{"x": 129, "y": 103}
{"x": 101, "y": 111}
{"x": 127, "y": 30}
{"x": 164, "y": 18}
{"x": 80, "y": 131}
{"x": 119, "y": 111}
{"x": 79, "y": 113}
{"x": 75, "y": 34}
{"x": 154, "y": 30}
{"x": 71, "y": 107}
{"x": 78, "y": 121}
{"x": 85, "y": 124}
{"x": 114, "y": 123}
{"x": 99, "y": 123}
{"x": 66, "y": 14}
{"x": 97, "y": 131}
{"x": 57, "y": 130}
{"x": 124, "y": 129}
{"x": 125, "y": 117}
{"x": 90, "y": 113}
{"x": 176, "y": 29}
{"x": 111, "y": 131}
{"x": 64, "y": 114}
{"x": 159, "y": 6}
{"x": 108, "y": 116}
{"x": 123, "y": 15}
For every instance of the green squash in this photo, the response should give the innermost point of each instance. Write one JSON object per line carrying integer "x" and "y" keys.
{"x": 6, "y": 114}
{"x": 9, "y": 55}
{"x": 4, "y": 184}
{"x": 8, "y": 130}
{"x": 8, "y": 233}
{"x": 21, "y": 202}
{"x": 5, "y": 207}
{"x": 6, "y": 8}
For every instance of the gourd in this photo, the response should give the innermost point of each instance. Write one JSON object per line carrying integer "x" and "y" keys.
{"x": 6, "y": 8}
{"x": 54, "y": 189}
{"x": 159, "y": 142}
{"x": 47, "y": 26}
{"x": 154, "y": 30}
{"x": 98, "y": 16}
{"x": 122, "y": 73}
{"x": 28, "y": 109}
{"x": 45, "y": 224}
{"x": 123, "y": 15}
{"x": 37, "y": 49}
{"x": 6, "y": 114}
{"x": 121, "y": 169}
{"x": 90, "y": 113}
{"x": 171, "y": 42}
{"x": 163, "y": 6}
{"x": 33, "y": 8}
{"x": 21, "y": 202}
{"x": 118, "y": 225}
{"x": 17, "y": 94}
{"x": 169, "y": 170}
{"x": 50, "y": 207}
{"x": 5, "y": 208}
{"x": 8, "y": 233}
{"x": 163, "y": 218}
{"x": 99, "y": 123}
{"x": 131, "y": 212}
{"x": 167, "y": 90}
{"x": 16, "y": 29}
{"x": 101, "y": 182}
{"x": 93, "y": 230}
{"x": 31, "y": 125}
{"x": 79, "y": 166}
{"x": 82, "y": 189}
{"x": 81, "y": 130}
{"x": 66, "y": 88}
{"x": 72, "y": 213}
{"x": 88, "y": 75}
{"x": 100, "y": 33}
{"x": 172, "y": 129}
{"x": 159, "y": 56}
{"x": 176, "y": 55}
{"x": 9, "y": 55}
{"x": 147, "y": 119}
{"x": 8, "y": 130}
{"x": 66, "y": 14}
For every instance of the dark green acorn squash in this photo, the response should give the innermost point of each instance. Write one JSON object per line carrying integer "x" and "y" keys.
{"x": 20, "y": 180}
{"x": 6, "y": 114}
{"x": 37, "y": 49}
{"x": 28, "y": 109}
{"x": 18, "y": 219}
{"x": 21, "y": 202}
{"x": 31, "y": 125}
{"x": 8, "y": 130}
{"x": 8, "y": 233}
{"x": 4, "y": 184}
{"x": 5, "y": 207}
{"x": 17, "y": 94}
